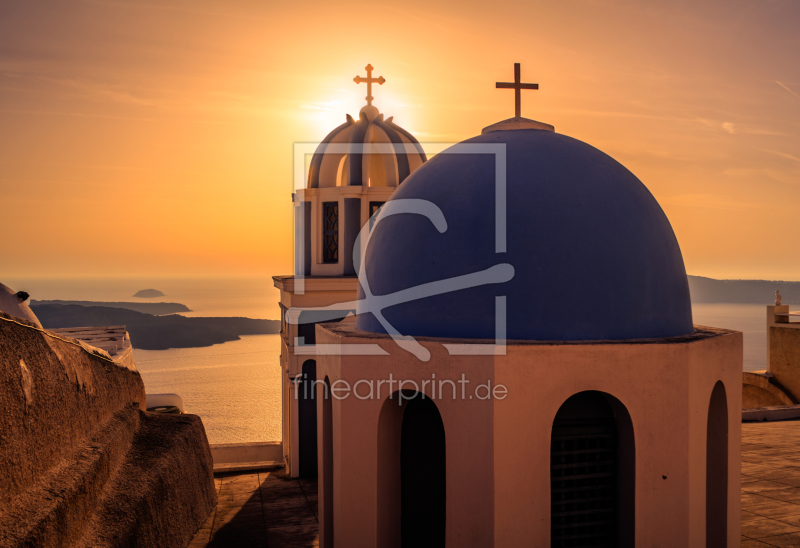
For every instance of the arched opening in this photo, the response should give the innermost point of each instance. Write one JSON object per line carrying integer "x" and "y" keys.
{"x": 422, "y": 475}
{"x": 326, "y": 510}
{"x": 717, "y": 469}
{"x": 592, "y": 473}
{"x": 378, "y": 175}
{"x": 412, "y": 472}
{"x": 307, "y": 419}
{"x": 343, "y": 171}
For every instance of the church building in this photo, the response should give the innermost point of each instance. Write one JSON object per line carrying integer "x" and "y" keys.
{"x": 522, "y": 368}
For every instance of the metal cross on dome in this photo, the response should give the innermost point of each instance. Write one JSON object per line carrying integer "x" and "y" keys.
{"x": 517, "y": 86}
{"x": 369, "y": 80}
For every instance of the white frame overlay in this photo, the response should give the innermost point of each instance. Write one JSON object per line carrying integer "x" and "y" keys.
{"x": 303, "y": 150}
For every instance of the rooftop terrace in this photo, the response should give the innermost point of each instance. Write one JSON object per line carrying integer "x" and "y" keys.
{"x": 771, "y": 484}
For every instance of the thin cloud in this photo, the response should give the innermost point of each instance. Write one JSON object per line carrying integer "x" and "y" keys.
{"x": 787, "y": 89}
{"x": 788, "y": 177}
{"x": 100, "y": 91}
{"x": 328, "y": 106}
{"x": 112, "y": 117}
{"x": 782, "y": 154}
{"x": 738, "y": 129}
{"x": 101, "y": 167}
{"x": 155, "y": 7}
{"x": 617, "y": 114}
{"x": 711, "y": 201}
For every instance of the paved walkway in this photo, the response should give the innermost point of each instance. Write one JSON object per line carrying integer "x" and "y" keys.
{"x": 260, "y": 510}
{"x": 771, "y": 484}
{"x": 267, "y": 509}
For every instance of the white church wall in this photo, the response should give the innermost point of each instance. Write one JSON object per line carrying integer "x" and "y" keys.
{"x": 357, "y": 473}
{"x": 665, "y": 389}
{"x": 498, "y": 451}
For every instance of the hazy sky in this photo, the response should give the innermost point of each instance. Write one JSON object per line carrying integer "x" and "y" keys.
{"x": 155, "y": 138}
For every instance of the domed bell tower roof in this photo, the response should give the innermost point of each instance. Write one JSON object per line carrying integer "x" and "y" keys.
{"x": 371, "y": 151}
{"x": 353, "y": 172}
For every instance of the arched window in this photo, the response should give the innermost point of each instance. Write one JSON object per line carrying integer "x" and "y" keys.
{"x": 592, "y": 473}
{"x": 412, "y": 472}
{"x": 307, "y": 419}
{"x": 717, "y": 469}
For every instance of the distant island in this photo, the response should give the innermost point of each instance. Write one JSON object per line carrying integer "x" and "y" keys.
{"x": 156, "y": 309}
{"x": 150, "y": 332}
{"x": 149, "y": 294}
{"x": 709, "y": 290}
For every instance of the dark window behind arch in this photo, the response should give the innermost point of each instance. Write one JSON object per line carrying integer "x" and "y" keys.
{"x": 423, "y": 470}
{"x": 412, "y": 476}
{"x": 326, "y": 510}
{"x": 717, "y": 469}
{"x": 307, "y": 419}
{"x": 592, "y": 473}
{"x": 373, "y": 210}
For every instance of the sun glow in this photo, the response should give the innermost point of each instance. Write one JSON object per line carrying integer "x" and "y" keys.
{"x": 173, "y": 144}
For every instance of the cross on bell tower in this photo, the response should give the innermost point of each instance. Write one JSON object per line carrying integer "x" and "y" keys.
{"x": 369, "y": 80}
{"x": 517, "y": 86}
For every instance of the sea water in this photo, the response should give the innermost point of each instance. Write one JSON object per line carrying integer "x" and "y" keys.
{"x": 236, "y": 386}
{"x": 255, "y": 298}
{"x": 750, "y": 319}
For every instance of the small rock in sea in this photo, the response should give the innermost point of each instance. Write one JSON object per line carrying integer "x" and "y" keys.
{"x": 149, "y": 293}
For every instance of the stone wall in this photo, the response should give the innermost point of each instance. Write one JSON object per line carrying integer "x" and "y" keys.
{"x": 784, "y": 357}
{"x": 759, "y": 390}
{"x": 81, "y": 462}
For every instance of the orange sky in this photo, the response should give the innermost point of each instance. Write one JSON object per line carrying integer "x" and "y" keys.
{"x": 155, "y": 138}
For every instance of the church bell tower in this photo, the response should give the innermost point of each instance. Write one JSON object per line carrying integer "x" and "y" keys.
{"x": 352, "y": 173}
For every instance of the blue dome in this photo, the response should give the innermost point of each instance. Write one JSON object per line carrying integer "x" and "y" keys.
{"x": 593, "y": 254}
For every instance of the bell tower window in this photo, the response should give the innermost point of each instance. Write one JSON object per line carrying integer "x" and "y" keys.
{"x": 330, "y": 232}
{"x": 373, "y": 210}
{"x": 374, "y": 207}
